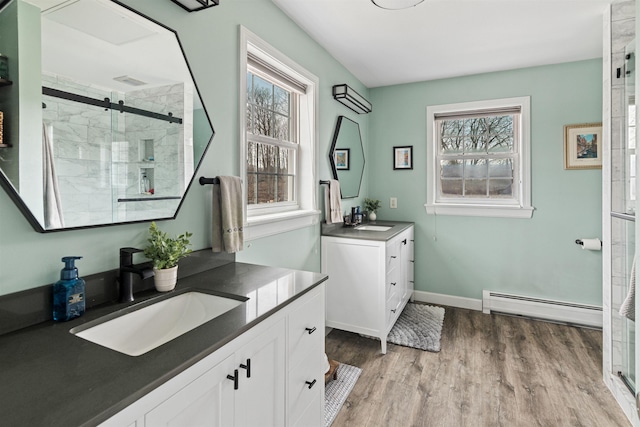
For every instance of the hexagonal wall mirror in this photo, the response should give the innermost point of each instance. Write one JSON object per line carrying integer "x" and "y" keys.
{"x": 110, "y": 128}
{"x": 347, "y": 157}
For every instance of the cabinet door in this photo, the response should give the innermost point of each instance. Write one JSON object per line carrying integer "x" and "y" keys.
{"x": 260, "y": 399}
{"x": 207, "y": 401}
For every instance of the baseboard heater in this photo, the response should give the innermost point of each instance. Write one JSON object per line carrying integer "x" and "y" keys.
{"x": 544, "y": 309}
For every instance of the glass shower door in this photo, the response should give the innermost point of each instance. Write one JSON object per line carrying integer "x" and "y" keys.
{"x": 623, "y": 194}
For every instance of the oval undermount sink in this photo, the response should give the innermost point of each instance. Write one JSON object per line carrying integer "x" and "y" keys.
{"x": 144, "y": 329}
{"x": 373, "y": 228}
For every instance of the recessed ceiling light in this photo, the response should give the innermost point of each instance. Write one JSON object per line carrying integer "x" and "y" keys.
{"x": 396, "y": 4}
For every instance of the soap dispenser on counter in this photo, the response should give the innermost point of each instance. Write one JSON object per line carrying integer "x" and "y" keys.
{"x": 68, "y": 292}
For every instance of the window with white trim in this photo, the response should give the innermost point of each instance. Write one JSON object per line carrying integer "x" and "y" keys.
{"x": 478, "y": 155}
{"x": 278, "y": 114}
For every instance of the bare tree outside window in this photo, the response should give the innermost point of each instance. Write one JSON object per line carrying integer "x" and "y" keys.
{"x": 272, "y": 147}
{"x": 476, "y": 157}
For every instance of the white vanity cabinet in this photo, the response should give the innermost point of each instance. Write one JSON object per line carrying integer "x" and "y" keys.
{"x": 260, "y": 378}
{"x": 370, "y": 282}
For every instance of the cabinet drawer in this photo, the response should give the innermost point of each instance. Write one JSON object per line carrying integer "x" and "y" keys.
{"x": 306, "y": 329}
{"x": 393, "y": 256}
{"x": 393, "y": 310}
{"x": 300, "y": 377}
{"x": 392, "y": 282}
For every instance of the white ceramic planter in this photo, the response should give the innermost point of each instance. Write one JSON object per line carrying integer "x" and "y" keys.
{"x": 165, "y": 279}
{"x": 372, "y": 216}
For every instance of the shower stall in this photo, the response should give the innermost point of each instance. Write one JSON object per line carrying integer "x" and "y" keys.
{"x": 623, "y": 199}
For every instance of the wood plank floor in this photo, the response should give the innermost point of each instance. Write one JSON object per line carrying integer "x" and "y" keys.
{"x": 492, "y": 370}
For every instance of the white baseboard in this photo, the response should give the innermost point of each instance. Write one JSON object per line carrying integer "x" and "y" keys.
{"x": 450, "y": 300}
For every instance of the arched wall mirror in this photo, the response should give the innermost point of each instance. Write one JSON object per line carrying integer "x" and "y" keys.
{"x": 103, "y": 122}
{"x": 347, "y": 157}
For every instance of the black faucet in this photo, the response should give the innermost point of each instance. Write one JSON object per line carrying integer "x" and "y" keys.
{"x": 127, "y": 270}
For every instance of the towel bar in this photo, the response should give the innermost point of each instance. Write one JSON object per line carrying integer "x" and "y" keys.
{"x": 324, "y": 182}
{"x": 204, "y": 180}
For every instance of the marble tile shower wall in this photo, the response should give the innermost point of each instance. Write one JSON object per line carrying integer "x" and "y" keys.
{"x": 101, "y": 155}
{"x": 622, "y": 234}
{"x": 81, "y": 139}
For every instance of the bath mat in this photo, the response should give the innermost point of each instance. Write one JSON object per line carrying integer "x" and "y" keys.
{"x": 337, "y": 391}
{"x": 419, "y": 326}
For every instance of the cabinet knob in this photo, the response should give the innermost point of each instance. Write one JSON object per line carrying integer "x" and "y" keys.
{"x": 393, "y": 256}
{"x": 393, "y": 283}
{"x": 404, "y": 242}
{"x": 247, "y": 366}
{"x": 310, "y": 330}
{"x": 411, "y": 260}
{"x": 394, "y": 310}
{"x": 234, "y": 378}
{"x": 310, "y": 384}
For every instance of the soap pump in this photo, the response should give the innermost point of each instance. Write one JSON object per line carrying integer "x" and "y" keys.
{"x": 68, "y": 292}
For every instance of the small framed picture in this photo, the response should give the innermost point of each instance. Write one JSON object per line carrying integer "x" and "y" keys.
{"x": 403, "y": 157}
{"x": 583, "y": 146}
{"x": 341, "y": 158}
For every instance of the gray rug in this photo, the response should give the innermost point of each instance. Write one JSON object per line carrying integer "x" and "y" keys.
{"x": 337, "y": 391}
{"x": 419, "y": 326}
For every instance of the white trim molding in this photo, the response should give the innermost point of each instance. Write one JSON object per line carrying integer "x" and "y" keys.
{"x": 266, "y": 221}
{"x": 448, "y": 300}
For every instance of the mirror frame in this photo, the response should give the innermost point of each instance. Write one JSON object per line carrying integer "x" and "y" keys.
{"x": 334, "y": 169}
{"x": 6, "y": 184}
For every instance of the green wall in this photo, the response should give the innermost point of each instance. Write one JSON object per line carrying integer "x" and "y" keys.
{"x": 210, "y": 39}
{"x": 461, "y": 256}
{"x": 454, "y": 255}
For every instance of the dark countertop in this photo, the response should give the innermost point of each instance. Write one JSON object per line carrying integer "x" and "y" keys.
{"x": 338, "y": 230}
{"x": 50, "y": 377}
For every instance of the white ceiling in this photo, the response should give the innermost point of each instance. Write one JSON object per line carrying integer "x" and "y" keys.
{"x": 447, "y": 38}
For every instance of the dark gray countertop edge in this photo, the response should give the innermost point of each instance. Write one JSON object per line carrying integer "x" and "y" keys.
{"x": 339, "y": 230}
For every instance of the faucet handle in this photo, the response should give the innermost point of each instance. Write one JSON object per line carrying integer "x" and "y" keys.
{"x": 126, "y": 255}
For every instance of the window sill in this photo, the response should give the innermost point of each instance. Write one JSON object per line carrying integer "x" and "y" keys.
{"x": 261, "y": 226}
{"x": 480, "y": 210}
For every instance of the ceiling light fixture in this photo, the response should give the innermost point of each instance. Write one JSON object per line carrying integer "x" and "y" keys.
{"x": 396, "y": 4}
{"x": 195, "y": 5}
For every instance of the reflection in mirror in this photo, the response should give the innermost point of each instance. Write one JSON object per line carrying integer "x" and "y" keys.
{"x": 120, "y": 124}
{"x": 347, "y": 157}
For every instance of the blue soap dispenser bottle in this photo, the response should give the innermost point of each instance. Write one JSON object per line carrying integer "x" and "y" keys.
{"x": 68, "y": 292}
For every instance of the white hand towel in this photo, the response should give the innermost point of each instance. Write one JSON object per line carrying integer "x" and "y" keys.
{"x": 332, "y": 202}
{"x": 227, "y": 221}
{"x": 628, "y": 307}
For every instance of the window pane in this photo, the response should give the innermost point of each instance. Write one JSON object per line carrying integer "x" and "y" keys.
{"x": 451, "y": 145}
{"x": 252, "y": 191}
{"x": 285, "y": 188}
{"x": 475, "y": 144}
{"x": 262, "y": 92}
{"x": 501, "y": 188}
{"x": 266, "y": 188}
{"x": 281, "y": 129}
{"x": 252, "y": 157}
{"x": 267, "y": 158}
{"x": 262, "y": 121}
{"x": 451, "y": 187}
{"x": 500, "y": 143}
{"x": 281, "y": 100}
{"x": 451, "y": 168}
{"x": 475, "y": 187}
{"x": 286, "y": 159}
{"x": 502, "y": 168}
{"x": 475, "y": 168}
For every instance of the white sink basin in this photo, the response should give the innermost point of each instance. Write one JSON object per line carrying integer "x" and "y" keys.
{"x": 373, "y": 228}
{"x": 139, "y": 331}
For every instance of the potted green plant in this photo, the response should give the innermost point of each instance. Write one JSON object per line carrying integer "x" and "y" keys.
{"x": 371, "y": 206}
{"x": 165, "y": 252}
